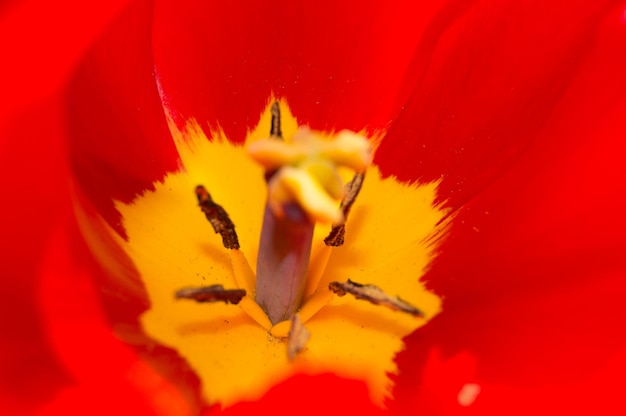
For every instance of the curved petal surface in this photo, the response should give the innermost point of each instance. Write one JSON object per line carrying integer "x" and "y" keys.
{"x": 533, "y": 310}
{"x": 339, "y": 65}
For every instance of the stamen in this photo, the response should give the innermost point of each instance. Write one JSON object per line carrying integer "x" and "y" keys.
{"x": 222, "y": 224}
{"x": 375, "y": 295}
{"x": 213, "y": 293}
{"x": 275, "y": 131}
{"x": 218, "y": 217}
{"x": 298, "y": 337}
{"x": 336, "y": 236}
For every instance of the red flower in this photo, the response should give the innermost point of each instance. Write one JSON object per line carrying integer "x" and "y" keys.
{"x": 517, "y": 107}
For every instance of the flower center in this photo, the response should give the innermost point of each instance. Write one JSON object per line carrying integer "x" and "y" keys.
{"x": 238, "y": 351}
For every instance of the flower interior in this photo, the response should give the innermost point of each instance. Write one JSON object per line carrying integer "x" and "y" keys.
{"x": 239, "y": 351}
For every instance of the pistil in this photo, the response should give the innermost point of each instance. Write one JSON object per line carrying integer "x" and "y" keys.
{"x": 283, "y": 261}
{"x": 304, "y": 187}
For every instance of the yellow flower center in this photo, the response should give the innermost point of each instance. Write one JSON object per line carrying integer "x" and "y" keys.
{"x": 235, "y": 350}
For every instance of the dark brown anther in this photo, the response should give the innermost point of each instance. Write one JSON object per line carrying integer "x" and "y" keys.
{"x": 336, "y": 236}
{"x": 275, "y": 130}
{"x": 218, "y": 217}
{"x": 214, "y": 293}
{"x": 375, "y": 295}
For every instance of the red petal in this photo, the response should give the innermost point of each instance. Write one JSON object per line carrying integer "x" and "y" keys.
{"x": 43, "y": 41}
{"x": 484, "y": 80}
{"x": 100, "y": 364}
{"x": 339, "y": 64}
{"x": 532, "y": 273}
{"x": 119, "y": 140}
{"x": 33, "y": 198}
{"x": 311, "y": 395}
{"x": 32, "y": 161}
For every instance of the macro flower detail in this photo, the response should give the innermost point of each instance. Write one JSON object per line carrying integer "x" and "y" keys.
{"x": 237, "y": 351}
{"x": 515, "y": 110}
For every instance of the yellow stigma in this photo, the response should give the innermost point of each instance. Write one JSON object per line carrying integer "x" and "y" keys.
{"x": 392, "y": 233}
{"x": 306, "y": 170}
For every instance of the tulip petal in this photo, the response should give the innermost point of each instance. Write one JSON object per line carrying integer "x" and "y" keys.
{"x": 533, "y": 271}
{"x": 119, "y": 139}
{"x": 100, "y": 364}
{"x": 483, "y": 83}
{"x": 338, "y": 64}
{"x": 37, "y": 66}
{"x": 295, "y": 396}
{"x": 30, "y": 372}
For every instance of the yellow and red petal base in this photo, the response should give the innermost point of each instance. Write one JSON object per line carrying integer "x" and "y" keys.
{"x": 391, "y": 235}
